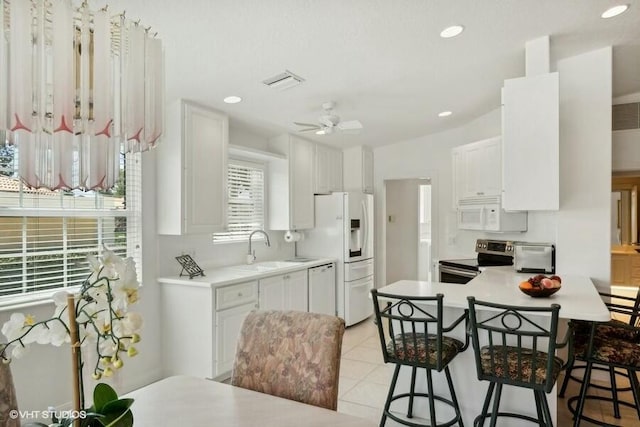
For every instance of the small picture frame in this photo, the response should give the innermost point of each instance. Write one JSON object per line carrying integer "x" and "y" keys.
{"x": 189, "y": 266}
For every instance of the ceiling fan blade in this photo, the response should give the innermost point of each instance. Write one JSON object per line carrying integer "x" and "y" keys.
{"x": 351, "y": 131}
{"x": 350, "y": 125}
{"x": 308, "y": 125}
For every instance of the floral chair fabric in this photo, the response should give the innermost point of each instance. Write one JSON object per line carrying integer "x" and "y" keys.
{"x": 8, "y": 401}
{"x": 613, "y": 343}
{"x": 422, "y": 350}
{"x": 518, "y": 369}
{"x": 290, "y": 354}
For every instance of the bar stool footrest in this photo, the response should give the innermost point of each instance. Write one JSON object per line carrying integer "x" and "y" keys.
{"x": 479, "y": 418}
{"x": 406, "y": 422}
{"x": 572, "y": 409}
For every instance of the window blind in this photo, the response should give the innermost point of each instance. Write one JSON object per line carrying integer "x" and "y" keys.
{"x": 45, "y": 236}
{"x": 245, "y": 210}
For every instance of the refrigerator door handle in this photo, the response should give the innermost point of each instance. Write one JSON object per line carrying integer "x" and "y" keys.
{"x": 365, "y": 223}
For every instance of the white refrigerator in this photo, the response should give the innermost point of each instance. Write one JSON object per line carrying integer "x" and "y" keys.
{"x": 344, "y": 230}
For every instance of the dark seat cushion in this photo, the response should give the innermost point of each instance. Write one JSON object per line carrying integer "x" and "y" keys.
{"x": 609, "y": 349}
{"x": 518, "y": 369}
{"x": 611, "y": 329}
{"x": 423, "y": 349}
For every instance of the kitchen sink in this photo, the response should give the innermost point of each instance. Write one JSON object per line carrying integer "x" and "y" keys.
{"x": 265, "y": 265}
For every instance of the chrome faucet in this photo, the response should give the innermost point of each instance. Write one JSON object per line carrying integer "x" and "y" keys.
{"x": 251, "y": 253}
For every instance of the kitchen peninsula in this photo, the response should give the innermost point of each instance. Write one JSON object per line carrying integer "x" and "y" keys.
{"x": 578, "y": 299}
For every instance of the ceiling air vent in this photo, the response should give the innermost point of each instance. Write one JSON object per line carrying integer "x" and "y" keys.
{"x": 283, "y": 81}
{"x": 626, "y": 116}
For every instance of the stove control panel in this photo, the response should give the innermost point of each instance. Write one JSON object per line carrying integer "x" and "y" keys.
{"x": 495, "y": 247}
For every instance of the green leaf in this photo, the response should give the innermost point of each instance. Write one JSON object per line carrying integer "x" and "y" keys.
{"x": 118, "y": 419}
{"x": 103, "y": 394}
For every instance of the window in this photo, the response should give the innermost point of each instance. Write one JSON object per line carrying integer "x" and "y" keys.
{"x": 45, "y": 236}
{"x": 245, "y": 211}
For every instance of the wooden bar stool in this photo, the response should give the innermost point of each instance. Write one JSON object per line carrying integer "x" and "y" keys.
{"x": 411, "y": 334}
{"x": 513, "y": 348}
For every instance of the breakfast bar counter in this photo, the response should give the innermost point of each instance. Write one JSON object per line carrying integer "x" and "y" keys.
{"x": 578, "y": 299}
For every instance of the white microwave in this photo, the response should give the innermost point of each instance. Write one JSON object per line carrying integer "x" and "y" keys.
{"x": 488, "y": 215}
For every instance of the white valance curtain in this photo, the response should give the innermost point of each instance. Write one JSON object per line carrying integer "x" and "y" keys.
{"x": 77, "y": 88}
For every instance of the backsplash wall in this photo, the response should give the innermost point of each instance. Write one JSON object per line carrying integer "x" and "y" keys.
{"x": 208, "y": 255}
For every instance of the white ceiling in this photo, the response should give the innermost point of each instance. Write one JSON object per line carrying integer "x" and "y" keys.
{"x": 382, "y": 61}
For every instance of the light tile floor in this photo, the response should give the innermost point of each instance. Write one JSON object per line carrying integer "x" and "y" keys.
{"x": 364, "y": 382}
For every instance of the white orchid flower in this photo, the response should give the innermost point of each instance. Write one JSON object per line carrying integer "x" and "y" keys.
{"x": 14, "y": 327}
{"x": 19, "y": 351}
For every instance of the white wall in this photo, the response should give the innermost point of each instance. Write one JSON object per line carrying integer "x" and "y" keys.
{"x": 430, "y": 157}
{"x": 580, "y": 228}
{"x": 583, "y": 242}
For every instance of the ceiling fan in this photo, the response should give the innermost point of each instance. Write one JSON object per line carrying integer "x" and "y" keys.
{"x": 330, "y": 122}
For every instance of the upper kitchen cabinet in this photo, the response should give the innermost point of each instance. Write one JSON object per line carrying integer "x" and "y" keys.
{"x": 358, "y": 169}
{"x": 530, "y": 143}
{"x": 291, "y": 184}
{"x": 328, "y": 168}
{"x": 477, "y": 169}
{"x": 192, "y": 171}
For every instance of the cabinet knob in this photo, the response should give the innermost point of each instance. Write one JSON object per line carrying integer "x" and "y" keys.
{"x": 239, "y": 294}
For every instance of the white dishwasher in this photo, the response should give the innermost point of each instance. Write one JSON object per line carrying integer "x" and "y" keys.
{"x": 322, "y": 289}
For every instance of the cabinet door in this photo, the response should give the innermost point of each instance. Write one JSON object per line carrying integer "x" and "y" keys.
{"x": 620, "y": 269}
{"x": 228, "y": 325}
{"x": 323, "y": 164}
{"x": 491, "y": 171}
{"x": 458, "y": 166}
{"x": 530, "y": 143}
{"x": 272, "y": 293}
{"x": 367, "y": 170}
{"x": 335, "y": 170}
{"x": 205, "y": 139}
{"x": 296, "y": 291}
{"x": 301, "y": 183}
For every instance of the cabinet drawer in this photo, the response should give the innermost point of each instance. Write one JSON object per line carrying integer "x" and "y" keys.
{"x": 231, "y": 296}
{"x": 635, "y": 261}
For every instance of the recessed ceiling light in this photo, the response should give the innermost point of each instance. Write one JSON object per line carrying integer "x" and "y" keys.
{"x": 452, "y": 31}
{"x": 232, "y": 99}
{"x": 444, "y": 114}
{"x": 320, "y": 132}
{"x": 615, "y": 11}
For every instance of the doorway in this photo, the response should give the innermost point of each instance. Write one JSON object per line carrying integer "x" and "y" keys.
{"x": 408, "y": 229}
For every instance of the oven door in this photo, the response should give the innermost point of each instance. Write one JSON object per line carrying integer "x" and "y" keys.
{"x": 450, "y": 274}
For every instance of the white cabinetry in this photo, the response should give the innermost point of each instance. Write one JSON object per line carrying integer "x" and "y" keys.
{"x": 477, "y": 169}
{"x": 530, "y": 145}
{"x": 358, "y": 169}
{"x": 200, "y": 326}
{"x": 291, "y": 184}
{"x": 192, "y": 171}
{"x": 328, "y": 170}
{"x": 285, "y": 292}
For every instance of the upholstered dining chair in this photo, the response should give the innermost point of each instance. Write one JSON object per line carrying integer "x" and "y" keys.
{"x": 8, "y": 401}
{"x": 290, "y": 354}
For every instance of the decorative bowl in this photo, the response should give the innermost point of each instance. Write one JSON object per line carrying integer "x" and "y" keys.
{"x": 536, "y": 292}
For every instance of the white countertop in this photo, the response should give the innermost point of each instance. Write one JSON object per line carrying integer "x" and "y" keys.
{"x": 215, "y": 277}
{"x": 578, "y": 297}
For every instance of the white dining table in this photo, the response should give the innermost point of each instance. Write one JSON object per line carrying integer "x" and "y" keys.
{"x": 194, "y": 402}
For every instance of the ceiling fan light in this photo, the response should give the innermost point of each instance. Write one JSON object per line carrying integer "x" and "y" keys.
{"x": 321, "y": 132}
{"x": 444, "y": 114}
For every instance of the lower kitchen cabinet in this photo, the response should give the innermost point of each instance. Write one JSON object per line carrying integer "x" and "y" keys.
{"x": 285, "y": 292}
{"x": 200, "y": 326}
{"x": 228, "y": 324}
